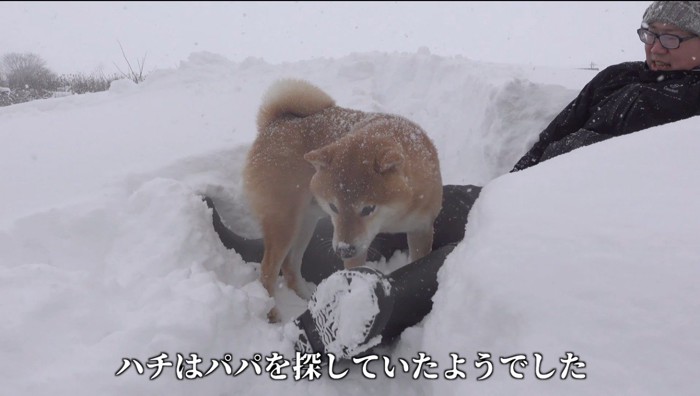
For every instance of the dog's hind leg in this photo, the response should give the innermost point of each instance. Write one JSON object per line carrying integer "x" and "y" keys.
{"x": 291, "y": 267}
{"x": 278, "y": 232}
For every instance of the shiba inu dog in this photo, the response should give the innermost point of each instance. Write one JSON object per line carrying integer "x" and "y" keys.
{"x": 370, "y": 172}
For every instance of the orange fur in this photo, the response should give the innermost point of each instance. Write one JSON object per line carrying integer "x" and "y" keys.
{"x": 370, "y": 172}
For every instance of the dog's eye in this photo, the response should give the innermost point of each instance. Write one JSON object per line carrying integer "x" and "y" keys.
{"x": 367, "y": 210}
{"x": 333, "y": 208}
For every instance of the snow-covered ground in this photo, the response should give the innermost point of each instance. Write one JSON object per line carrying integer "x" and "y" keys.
{"x": 107, "y": 253}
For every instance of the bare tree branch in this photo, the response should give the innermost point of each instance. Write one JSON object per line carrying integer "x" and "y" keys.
{"x": 132, "y": 75}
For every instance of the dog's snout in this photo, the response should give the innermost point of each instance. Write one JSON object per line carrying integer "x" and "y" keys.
{"x": 346, "y": 251}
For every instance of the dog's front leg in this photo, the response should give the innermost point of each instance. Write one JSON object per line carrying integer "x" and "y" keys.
{"x": 420, "y": 243}
{"x": 356, "y": 261}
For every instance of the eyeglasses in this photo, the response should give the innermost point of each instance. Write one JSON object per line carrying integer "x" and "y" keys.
{"x": 668, "y": 41}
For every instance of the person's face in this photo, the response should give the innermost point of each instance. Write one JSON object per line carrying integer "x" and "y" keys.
{"x": 685, "y": 57}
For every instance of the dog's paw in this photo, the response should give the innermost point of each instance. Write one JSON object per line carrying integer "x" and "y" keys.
{"x": 306, "y": 290}
{"x": 274, "y": 315}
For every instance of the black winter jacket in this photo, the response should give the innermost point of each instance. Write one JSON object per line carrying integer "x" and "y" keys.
{"x": 621, "y": 99}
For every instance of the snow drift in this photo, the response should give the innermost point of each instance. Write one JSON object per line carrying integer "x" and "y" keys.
{"x": 107, "y": 252}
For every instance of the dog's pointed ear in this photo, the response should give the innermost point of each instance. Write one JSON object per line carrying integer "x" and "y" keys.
{"x": 387, "y": 160}
{"x": 319, "y": 158}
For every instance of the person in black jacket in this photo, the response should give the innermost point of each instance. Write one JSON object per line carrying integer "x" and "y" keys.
{"x": 621, "y": 99}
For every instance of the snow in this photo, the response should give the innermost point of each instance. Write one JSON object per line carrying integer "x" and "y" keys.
{"x": 347, "y": 301}
{"x": 107, "y": 252}
{"x": 71, "y": 40}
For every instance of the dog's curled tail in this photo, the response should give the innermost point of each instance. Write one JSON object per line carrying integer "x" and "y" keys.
{"x": 294, "y": 97}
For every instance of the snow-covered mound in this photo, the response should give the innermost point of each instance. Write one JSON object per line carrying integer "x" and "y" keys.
{"x": 108, "y": 258}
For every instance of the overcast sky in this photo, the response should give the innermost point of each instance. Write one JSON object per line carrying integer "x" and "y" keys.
{"x": 84, "y": 36}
